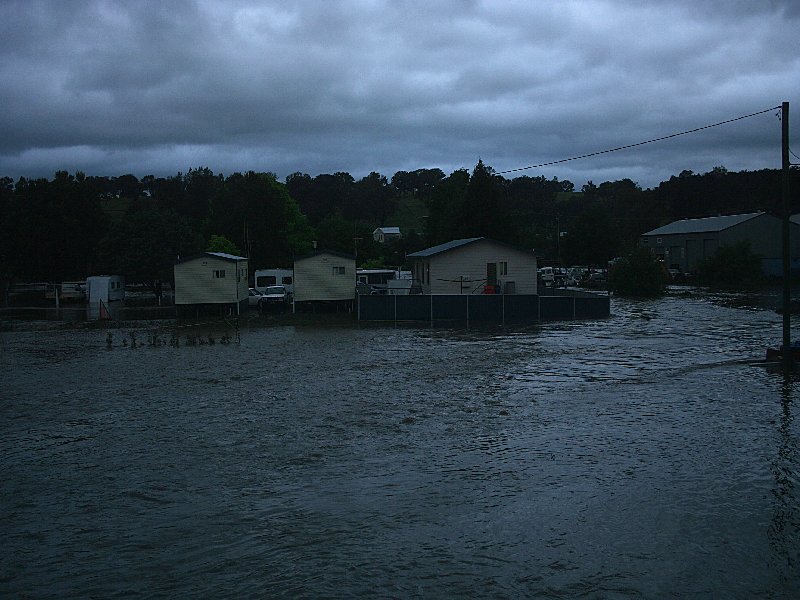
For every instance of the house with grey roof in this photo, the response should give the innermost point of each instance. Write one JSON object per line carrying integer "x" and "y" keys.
{"x": 474, "y": 266}
{"x": 685, "y": 243}
{"x": 386, "y": 234}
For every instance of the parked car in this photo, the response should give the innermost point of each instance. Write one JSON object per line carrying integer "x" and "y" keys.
{"x": 253, "y": 297}
{"x": 275, "y": 296}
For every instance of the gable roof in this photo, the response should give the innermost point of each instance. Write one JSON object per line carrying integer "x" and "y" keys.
{"x": 704, "y": 225}
{"x": 389, "y": 230}
{"x": 222, "y": 255}
{"x": 448, "y": 246}
{"x": 332, "y": 253}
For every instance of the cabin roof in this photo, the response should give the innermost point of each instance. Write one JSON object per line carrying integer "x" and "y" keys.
{"x": 317, "y": 253}
{"x": 221, "y": 255}
{"x": 452, "y": 245}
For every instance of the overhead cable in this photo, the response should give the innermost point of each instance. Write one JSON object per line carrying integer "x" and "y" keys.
{"x": 659, "y": 139}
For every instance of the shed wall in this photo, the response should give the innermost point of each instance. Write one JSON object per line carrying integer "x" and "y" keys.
{"x": 315, "y": 280}
{"x": 195, "y": 282}
{"x": 470, "y": 261}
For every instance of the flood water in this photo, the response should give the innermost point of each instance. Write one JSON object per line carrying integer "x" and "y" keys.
{"x": 640, "y": 456}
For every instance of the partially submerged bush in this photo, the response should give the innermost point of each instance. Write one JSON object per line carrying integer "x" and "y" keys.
{"x": 637, "y": 274}
{"x": 731, "y": 267}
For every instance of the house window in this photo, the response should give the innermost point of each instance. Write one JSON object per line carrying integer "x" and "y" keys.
{"x": 219, "y": 273}
{"x": 502, "y": 268}
{"x": 338, "y": 270}
{"x": 286, "y": 281}
{"x": 658, "y": 241}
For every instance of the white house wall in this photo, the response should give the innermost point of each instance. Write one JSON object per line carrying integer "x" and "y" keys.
{"x": 315, "y": 280}
{"x": 470, "y": 261}
{"x": 195, "y": 282}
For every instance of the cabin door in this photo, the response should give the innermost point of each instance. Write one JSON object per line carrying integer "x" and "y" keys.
{"x": 491, "y": 273}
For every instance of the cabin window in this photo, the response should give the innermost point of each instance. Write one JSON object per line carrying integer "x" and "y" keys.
{"x": 219, "y": 273}
{"x": 286, "y": 281}
{"x": 338, "y": 270}
{"x": 658, "y": 241}
{"x": 502, "y": 268}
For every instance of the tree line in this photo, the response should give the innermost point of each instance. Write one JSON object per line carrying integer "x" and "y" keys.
{"x": 75, "y": 225}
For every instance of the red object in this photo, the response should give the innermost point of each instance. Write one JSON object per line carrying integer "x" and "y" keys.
{"x": 104, "y": 314}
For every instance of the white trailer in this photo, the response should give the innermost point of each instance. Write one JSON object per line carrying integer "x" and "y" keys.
{"x": 263, "y": 278}
{"x": 105, "y": 288}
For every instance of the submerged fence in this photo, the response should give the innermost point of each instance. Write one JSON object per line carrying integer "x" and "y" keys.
{"x": 501, "y": 308}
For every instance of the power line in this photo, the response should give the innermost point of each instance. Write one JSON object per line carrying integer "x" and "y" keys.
{"x": 659, "y": 139}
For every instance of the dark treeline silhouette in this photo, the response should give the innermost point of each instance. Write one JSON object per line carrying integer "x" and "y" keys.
{"x": 76, "y": 225}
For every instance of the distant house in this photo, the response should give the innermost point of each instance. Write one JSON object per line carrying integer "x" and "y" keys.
{"x": 325, "y": 277}
{"x": 685, "y": 243}
{"x": 468, "y": 266}
{"x": 212, "y": 279}
{"x": 386, "y": 234}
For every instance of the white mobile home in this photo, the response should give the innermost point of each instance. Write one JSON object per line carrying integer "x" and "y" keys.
{"x": 474, "y": 266}
{"x": 212, "y": 279}
{"x": 105, "y": 288}
{"x": 264, "y": 278}
{"x": 325, "y": 277}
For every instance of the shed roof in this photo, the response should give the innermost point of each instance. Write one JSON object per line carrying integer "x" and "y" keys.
{"x": 704, "y": 225}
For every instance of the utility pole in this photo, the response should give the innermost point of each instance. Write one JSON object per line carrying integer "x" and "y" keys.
{"x": 787, "y": 209}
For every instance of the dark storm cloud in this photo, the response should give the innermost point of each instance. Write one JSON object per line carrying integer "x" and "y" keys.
{"x": 362, "y": 85}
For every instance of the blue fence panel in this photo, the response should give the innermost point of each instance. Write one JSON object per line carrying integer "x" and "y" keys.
{"x": 484, "y": 307}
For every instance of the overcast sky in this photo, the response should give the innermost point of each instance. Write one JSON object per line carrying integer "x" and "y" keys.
{"x": 158, "y": 87}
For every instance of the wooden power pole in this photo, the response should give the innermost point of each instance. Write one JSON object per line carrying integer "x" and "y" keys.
{"x": 787, "y": 210}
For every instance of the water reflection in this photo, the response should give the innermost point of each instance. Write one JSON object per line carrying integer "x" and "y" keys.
{"x": 784, "y": 528}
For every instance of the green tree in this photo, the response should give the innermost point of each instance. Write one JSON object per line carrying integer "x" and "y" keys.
{"x": 445, "y": 205}
{"x": 145, "y": 245}
{"x": 637, "y": 274}
{"x": 255, "y": 211}
{"x": 219, "y": 243}
{"x": 731, "y": 267}
{"x": 591, "y": 237}
{"x": 481, "y": 215}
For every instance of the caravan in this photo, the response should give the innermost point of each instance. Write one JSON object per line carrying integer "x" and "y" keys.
{"x": 105, "y": 288}
{"x": 265, "y": 278}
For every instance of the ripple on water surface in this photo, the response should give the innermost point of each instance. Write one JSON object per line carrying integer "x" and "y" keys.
{"x": 628, "y": 457}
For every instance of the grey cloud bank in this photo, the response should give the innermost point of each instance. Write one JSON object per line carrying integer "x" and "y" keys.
{"x": 157, "y": 88}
